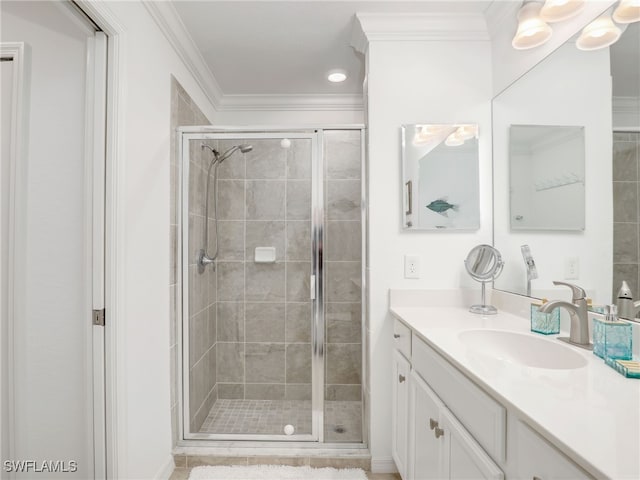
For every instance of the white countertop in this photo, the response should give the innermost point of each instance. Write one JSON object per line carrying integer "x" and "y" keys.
{"x": 592, "y": 414}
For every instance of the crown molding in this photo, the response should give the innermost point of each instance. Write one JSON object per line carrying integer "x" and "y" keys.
{"x": 326, "y": 102}
{"x": 171, "y": 25}
{"x": 166, "y": 17}
{"x": 628, "y": 105}
{"x": 429, "y": 27}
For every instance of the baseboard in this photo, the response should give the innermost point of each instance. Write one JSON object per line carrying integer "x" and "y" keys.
{"x": 166, "y": 470}
{"x": 383, "y": 465}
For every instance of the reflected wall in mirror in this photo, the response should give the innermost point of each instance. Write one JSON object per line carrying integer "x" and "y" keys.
{"x": 599, "y": 90}
{"x": 569, "y": 87}
{"x": 440, "y": 177}
{"x": 546, "y": 177}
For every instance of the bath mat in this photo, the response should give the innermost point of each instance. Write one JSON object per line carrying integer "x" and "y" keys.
{"x": 275, "y": 472}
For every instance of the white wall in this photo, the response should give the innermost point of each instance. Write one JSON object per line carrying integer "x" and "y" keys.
{"x": 416, "y": 82}
{"x": 577, "y": 93}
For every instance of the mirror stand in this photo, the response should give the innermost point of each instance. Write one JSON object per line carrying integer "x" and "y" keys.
{"x": 484, "y": 263}
{"x": 483, "y": 309}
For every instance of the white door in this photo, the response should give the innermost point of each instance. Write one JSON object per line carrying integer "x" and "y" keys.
{"x": 53, "y": 337}
{"x": 464, "y": 458}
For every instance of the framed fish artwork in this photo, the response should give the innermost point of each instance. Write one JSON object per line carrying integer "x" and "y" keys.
{"x": 440, "y": 177}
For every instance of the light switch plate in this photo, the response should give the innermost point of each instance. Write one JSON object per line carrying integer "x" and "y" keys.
{"x": 411, "y": 266}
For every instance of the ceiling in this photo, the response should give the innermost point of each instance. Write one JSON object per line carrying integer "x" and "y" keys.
{"x": 285, "y": 47}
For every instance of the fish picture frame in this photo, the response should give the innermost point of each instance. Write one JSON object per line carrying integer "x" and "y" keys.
{"x": 440, "y": 175}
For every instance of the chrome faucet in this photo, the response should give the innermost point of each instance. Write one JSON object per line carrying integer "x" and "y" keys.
{"x": 579, "y": 330}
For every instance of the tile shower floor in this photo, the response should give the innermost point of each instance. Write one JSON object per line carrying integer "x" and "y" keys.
{"x": 343, "y": 420}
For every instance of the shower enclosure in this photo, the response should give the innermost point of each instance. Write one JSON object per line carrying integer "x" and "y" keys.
{"x": 272, "y": 333}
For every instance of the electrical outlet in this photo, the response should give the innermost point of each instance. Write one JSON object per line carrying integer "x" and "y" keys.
{"x": 411, "y": 266}
{"x": 572, "y": 268}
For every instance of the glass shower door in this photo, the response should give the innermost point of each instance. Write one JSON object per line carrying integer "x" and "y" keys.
{"x": 251, "y": 319}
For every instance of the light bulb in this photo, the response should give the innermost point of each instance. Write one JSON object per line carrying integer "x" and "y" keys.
{"x": 559, "y": 10}
{"x": 532, "y": 30}
{"x": 600, "y": 33}
{"x": 628, "y": 11}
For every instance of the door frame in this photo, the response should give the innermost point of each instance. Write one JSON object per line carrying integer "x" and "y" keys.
{"x": 315, "y": 135}
{"x": 19, "y": 54}
{"x": 115, "y": 428}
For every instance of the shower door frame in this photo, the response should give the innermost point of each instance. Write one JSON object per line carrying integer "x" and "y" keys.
{"x": 185, "y": 135}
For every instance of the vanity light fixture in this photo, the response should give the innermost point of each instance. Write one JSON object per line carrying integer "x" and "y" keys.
{"x": 600, "y": 33}
{"x": 559, "y": 10}
{"x": 532, "y": 30}
{"x": 628, "y": 11}
{"x": 337, "y": 76}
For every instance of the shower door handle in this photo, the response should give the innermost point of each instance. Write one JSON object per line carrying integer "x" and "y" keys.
{"x": 312, "y": 287}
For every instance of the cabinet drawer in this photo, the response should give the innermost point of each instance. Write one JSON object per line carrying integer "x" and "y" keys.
{"x": 481, "y": 415}
{"x": 402, "y": 338}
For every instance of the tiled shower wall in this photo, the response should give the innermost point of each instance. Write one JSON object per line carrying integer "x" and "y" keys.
{"x": 343, "y": 285}
{"x": 626, "y": 211}
{"x": 264, "y": 309}
{"x": 184, "y": 112}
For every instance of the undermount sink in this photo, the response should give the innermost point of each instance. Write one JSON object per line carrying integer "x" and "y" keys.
{"x": 522, "y": 349}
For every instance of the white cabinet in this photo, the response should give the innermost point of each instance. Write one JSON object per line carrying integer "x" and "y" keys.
{"x": 425, "y": 449}
{"x": 537, "y": 459}
{"x": 463, "y": 457}
{"x": 439, "y": 446}
{"x": 400, "y": 407}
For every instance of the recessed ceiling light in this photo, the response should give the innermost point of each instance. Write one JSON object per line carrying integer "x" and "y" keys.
{"x": 337, "y": 76}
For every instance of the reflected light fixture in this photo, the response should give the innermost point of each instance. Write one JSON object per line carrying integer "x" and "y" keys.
{"x": 337, "y": 76}
{"x": 467, "y": 132}
{"x": 600, "y": 33}
{"x": 559, "y": 10}
{"x": 628, "y": 11}
{"x": 532, "y": 30}
{"x": 454, "y": 140}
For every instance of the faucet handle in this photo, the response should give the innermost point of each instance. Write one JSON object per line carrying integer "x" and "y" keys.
{"x": 577, "y": 292}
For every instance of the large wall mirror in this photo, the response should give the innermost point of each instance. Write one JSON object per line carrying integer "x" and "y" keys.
{"x": 440, "y": 177}
{"x": 595, "y": 93}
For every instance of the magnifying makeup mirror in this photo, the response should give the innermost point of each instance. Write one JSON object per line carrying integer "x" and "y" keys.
{"x": 484, "y": 263}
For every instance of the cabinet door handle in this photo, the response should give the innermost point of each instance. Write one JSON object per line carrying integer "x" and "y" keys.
{"x": 432, "y": 424}
{"x": 536, "y": 478}
{"x": 396, "y": 335}
{"x": 401, "y": 378}
{"x": 439, "y": 432}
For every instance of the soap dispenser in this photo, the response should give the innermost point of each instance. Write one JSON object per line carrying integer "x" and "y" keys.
{"x": 611, "y": 337}
{"x": 624, "y": 302}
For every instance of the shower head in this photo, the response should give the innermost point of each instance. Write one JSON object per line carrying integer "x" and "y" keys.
{"x": 243, "y": 148}
{"x": 227, "y": 153}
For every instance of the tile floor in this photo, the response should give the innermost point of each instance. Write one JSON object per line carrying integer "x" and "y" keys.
{"x": 258, "y": 417}
{"x": 343, "y": 419}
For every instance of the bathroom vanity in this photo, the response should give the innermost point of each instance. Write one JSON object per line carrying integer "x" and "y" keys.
{"x": 483, "y": 397}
